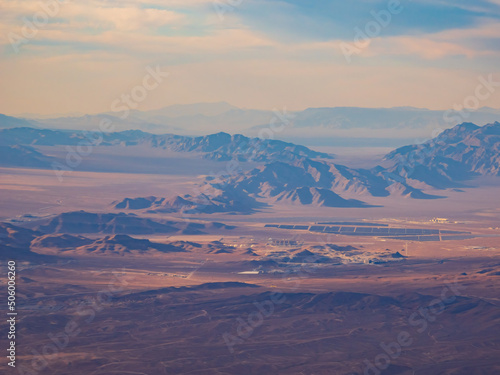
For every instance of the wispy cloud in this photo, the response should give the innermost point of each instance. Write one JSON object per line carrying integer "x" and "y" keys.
{"x": 265, "y": 53}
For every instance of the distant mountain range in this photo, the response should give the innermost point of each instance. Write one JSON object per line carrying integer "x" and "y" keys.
{"x": 24, "y": 244}
{"x": 7, "y": 122}
{"x": 318, "y": 183}
{"x": 285, "y": 172}
{"x": 219, "y": 146}
{"x": 452, "y": 158}
{"x": 445, "y": 162}
{"x": 220, "y": 200}
{"x": 338, "y": 126}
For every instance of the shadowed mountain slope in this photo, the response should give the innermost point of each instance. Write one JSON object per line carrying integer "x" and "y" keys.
{"x": 455, "y": 156}
{"x": 118, "y": 244}
{"x": 77, "y": 222}
{"x": 219, "y": 146}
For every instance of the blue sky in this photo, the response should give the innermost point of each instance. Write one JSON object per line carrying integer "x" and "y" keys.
{"x": 255, "y": 54}
{"x": 327, "y": 20}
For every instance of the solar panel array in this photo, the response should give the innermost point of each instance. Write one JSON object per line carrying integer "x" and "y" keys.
{"x": 355, "y": 223}
{"x": 380, "y": 230}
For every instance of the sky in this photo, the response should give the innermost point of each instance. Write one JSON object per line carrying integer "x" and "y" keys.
{"x": 77, "y": 57}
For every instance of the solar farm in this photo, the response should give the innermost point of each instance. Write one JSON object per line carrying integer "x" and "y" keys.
{"x": 377, "y": 230}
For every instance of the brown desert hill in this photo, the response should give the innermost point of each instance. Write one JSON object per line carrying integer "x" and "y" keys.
{"x": 80, "y": 222}
{"x": 326, "y": 302}
{"x": 198, "y": 228}
{"x": 217, "y": 247}
{"x": 238, "y": 328}
{"x": 213, "y": 247}
{"x": 220, "y": 200}
{"x": 307, "y": 256}
{"x": 304, "y": 304}
{"x": 15, "y": 244}
{"x": 86, "y": 222}
{"x": 16, "y": 235}
{"x": 318, "y": 198}
{"x": 157, "y": 205}
{"x": 341, "y": 248}
{"x": 189, "y": 289}
{"x": 187, "y": 245}
{"x": 122, "y": 244}
{"x": 175, "y": 204}
{"x": 352, "y": 307}
{"x": 227, "y": 200}
{"x": 60, "y": 241}
{"x": 118, "y": 244}
{"x": 134, "y": 203}
{"x": 250, "y": 252}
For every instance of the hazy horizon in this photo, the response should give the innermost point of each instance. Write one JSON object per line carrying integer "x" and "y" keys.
{"x": 69, "y": 57}
{"x": 29, "y": 115}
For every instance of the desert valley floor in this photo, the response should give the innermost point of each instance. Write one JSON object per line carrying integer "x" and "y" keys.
{"x": 397, "y": 286}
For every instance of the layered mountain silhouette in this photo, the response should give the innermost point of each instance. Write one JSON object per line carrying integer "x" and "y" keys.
{"x": 285, "y": 173}
{"x": 118, "y": 244}
{"x": 23, "y": 156}
{"x": 77, "y": 222}
{"x": 325, "y": 126}
{"x": 227, "y": 200}
{"x": 449, "y": 160}
{"x": 24, "y": 244}
{"x": 319, "y": 183}
{"x": 15, "y": 244}
{"x": 219, "y": 146}
{"x": 7, "y": 122}
{"x": 455, "y": 156}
